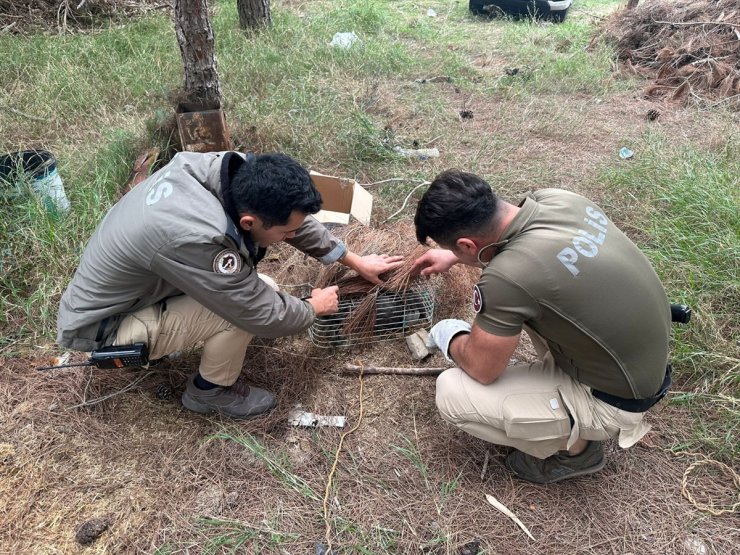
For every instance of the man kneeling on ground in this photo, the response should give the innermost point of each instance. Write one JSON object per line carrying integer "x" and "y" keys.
{"x": 174, "y": 262}
{"x": 556, "y": 267}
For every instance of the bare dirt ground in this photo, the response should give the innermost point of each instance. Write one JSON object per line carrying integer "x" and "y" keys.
{"x": 117, "y": 446}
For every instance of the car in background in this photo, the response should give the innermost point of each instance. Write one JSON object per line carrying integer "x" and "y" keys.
{"x": 552, "y": 10}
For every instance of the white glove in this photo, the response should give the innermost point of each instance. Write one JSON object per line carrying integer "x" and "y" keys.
{"x": 442, "y": 333}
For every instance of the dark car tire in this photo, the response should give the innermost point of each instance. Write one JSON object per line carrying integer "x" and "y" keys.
{"x": 515, "y": 8}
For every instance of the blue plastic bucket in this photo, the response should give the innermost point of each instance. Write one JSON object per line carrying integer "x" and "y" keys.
{"x": 40, "y": 167}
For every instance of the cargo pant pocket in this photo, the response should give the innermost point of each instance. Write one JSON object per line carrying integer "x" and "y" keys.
{"x": 536, "y": 416}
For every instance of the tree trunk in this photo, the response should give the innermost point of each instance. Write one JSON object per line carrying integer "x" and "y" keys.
{"x": 195, "y": 37}
{"x": 632, "y": 4}
{"x": 254, "y": 14}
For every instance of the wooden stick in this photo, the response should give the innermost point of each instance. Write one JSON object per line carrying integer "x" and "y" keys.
{"x": 485, "y": 465}
{"x": 19, "y": 113}
{"x": 727, "y": 23}
{"x": 355, "y": 369}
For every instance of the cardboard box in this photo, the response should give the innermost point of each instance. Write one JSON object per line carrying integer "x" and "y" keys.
{"x": 342, "y": 198}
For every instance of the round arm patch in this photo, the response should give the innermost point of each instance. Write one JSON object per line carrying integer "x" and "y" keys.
{"x": 227, "y": 261}
{"x": 477, "y": 299}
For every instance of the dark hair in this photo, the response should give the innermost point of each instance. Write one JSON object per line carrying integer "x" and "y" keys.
{"x": 271, "y": 187}
{"x": 457, "y": 204}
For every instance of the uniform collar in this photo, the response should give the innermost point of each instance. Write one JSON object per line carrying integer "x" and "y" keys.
{"x": 527, "y": 208}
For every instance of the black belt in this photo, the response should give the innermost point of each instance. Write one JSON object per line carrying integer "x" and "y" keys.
{"x": 636, "y": 405}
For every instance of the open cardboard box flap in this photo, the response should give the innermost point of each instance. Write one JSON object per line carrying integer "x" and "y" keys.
{"x": 342, "y": 198}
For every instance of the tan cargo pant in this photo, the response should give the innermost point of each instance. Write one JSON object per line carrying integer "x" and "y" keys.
{"x": 179, "y": 324}
{"x": 535, "y": 408}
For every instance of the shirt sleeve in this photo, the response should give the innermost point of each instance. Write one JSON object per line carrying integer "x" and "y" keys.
{"x": 505, "y": 305}
{"x": 316, "y": 241}
{"x": 241, "y": 297}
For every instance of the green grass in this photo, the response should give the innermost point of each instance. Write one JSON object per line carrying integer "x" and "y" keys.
{"x": 682, "y": 202}
{"x": 230, "y": 536}
{"x": 278, "y": 466}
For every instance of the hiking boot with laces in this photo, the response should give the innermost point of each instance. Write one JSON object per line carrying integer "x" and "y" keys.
{"x": 557, "y": 467}
{"x": 237, "y": 401}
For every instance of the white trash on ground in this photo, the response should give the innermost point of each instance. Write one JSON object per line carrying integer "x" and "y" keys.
{"x": 344, "y": 40}
{"x": 299, "y": 417}
{"x": 418, "y": 153}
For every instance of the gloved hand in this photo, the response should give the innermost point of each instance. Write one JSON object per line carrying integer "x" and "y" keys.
{"x": 442, "y": 333}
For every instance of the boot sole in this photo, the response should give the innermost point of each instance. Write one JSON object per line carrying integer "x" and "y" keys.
{"x": 584, "y": 472}
{"x": 191, "y": 404}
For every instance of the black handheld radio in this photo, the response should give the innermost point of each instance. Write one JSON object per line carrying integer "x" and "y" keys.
{"x": 119, "y": 356}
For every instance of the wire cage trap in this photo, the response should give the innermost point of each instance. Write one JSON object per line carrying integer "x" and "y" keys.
{"x": 375, "y": 317}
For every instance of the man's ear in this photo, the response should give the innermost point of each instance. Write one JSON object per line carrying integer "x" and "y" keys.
{"x": 247, "y": 221}
{"x": 468, "y": 246}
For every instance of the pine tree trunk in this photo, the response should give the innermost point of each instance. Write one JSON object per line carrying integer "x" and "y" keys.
{"x": 254, "y": 14}
{"x": 195, "y": 37}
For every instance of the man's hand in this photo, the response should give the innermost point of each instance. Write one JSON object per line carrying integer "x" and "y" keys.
{"x": 325, "y": 301}
{"x": 434, "y": 261}
{"x": 372, "y": 266}
{"x": 442, "y": 333}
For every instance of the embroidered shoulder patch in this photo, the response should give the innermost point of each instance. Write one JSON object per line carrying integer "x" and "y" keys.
{"x": 227, "y": 261}
{"x": 477, "y": 299}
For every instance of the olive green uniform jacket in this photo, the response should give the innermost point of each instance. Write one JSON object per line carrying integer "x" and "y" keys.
{"x": 567, "y": 272}
{"x": 171, "y": 235}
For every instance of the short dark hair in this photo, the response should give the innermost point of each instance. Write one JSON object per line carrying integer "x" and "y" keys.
{"x": 271, "y": 187}
{"x": 457, "y": 204}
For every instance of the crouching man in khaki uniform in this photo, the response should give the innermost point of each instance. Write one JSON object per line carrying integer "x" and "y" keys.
{"x": 558, "y": 268}
{"x": 174, "y": 263}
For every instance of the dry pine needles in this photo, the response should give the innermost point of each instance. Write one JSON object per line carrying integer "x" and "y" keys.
{"x": 689, "y": 48}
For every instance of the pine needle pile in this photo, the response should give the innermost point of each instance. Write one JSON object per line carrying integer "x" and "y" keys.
{"x": 689, "y": 48}
{"x": 397, "y": 289}
{"x": 446, "y": 296}
{"x": 360, "y": 323}
{"x": 67, "y": 15}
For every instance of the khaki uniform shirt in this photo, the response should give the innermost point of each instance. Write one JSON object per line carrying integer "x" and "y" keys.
{"x": 567, "y": 272}
{"x": 170, "y": 236}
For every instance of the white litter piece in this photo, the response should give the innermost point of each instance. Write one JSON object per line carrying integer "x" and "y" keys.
{"x": 501, "y": 507}
{"x": 344, "y": 40}
{"x": 625, "y": 153}
{"x": 431, "y": 13}
{"x": 299, "y": 417}
{"x": 418, "y": 153}
{"x": 61, "y": 359}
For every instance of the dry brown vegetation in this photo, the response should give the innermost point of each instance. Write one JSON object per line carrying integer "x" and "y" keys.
{"x": 687, "y": 48}
{"x": 34, "y": 15}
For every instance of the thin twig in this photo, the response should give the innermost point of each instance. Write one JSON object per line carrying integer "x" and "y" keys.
{"x": 330, "y": 478}
{"x": 106, "y": 397}
{"x": 485, "y": 465}
{"x": 698, "y": 23}
{"x": 406, "y": 200}
{"x": 504, "y": 509}
{"x": 25, "y": 115}
{"x": 384, "y": 181}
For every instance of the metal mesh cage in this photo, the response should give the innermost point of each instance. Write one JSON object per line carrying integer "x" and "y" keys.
{"x": 395, "y": 314}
